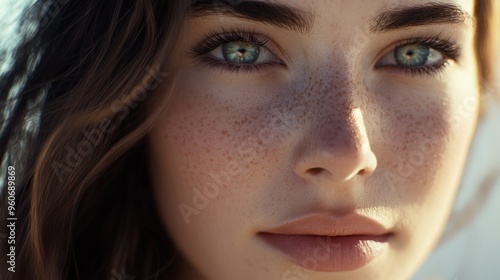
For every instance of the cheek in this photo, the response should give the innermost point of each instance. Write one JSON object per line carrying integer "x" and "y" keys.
{"x": 424, "y": 140}
{"x": 415, "y": 131}
{"x": 218, "y": 147}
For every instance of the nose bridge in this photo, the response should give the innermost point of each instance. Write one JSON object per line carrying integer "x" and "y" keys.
{"x": 337, "y": 144}
{"x": 340, "y": 118}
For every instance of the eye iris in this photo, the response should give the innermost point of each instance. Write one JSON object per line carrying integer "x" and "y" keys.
{"x": 241, "y": 52}
{"x": 412, "y": 55}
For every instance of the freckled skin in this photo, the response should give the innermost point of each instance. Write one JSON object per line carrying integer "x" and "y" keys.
{"x": 332, "y": 134}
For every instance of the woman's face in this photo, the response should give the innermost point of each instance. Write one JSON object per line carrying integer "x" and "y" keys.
{"x": 314, "y": 139}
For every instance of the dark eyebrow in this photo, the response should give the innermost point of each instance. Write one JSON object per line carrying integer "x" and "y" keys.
{"x": 426, "y": 14}
{"x": 276, "y": 14}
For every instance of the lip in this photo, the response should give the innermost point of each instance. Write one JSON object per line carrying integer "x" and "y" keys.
{"x": 324, "y": 242}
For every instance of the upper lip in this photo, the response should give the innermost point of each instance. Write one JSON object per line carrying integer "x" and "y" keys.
{"x": 326, "y": 224}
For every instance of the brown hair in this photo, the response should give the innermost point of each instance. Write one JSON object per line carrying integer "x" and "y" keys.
{"x": 75, "y": 134}
{"x": 487, "y": 14}
{"x": 83, "y": 204}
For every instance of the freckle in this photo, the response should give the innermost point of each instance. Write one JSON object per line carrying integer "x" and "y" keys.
{"x": 207, "y": 150}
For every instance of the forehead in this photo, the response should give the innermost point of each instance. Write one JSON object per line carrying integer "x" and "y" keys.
{"x": 318, "y": 6}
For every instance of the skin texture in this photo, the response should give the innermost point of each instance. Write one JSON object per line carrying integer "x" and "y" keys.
{"x": 235, "y": 154}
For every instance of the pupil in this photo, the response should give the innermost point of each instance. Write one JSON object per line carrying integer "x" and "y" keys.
{"x": 412, "y": 55}
{"x": 241, "y": 52}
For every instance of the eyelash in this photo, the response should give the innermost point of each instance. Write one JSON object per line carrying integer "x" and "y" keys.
{"x": 449, "y": 50}
{"x": 215, "y": 40}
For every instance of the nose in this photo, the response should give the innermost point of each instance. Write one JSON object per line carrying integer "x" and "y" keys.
{"x": 336, "y": 153}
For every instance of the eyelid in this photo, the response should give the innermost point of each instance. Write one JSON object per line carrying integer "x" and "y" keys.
{"x": 448, "y": 47}
{"x": 207, "y": 44}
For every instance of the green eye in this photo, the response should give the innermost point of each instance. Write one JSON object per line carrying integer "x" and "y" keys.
{"x": 412, "y": 55}
{"x": 241, "y": 52}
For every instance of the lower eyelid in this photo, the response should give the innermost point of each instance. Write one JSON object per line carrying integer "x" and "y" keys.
{"x": 223, "y": 67}
{"x": 422, "y": 71}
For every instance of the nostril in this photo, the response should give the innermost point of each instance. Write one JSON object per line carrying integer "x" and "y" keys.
{"x": 315, "y": 170}
{"x": 362, "y": 171}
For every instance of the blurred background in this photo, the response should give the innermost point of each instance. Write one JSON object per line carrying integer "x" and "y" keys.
{"x": 470, "y": 247}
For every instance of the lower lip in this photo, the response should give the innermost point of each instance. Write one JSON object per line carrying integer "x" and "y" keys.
{"x": 329, "y": 253}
